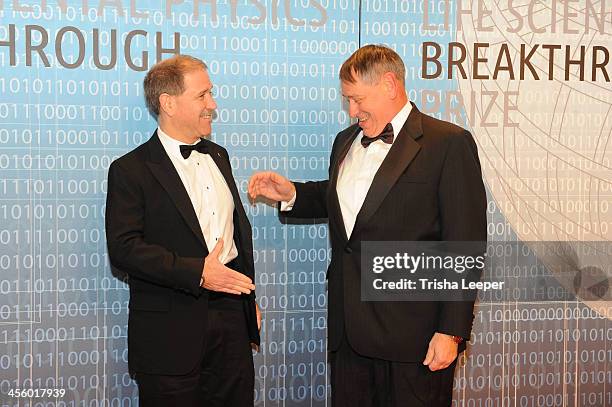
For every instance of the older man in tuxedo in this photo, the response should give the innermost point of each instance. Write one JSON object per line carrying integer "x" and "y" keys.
{"x": 396, "y": 175}
{"x": 175, "y": 225}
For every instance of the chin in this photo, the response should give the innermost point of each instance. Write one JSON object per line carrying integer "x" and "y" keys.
{"x": 367, "y": 132}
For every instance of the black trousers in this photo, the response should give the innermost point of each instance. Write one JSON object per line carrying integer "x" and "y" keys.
{"x": 359, "y": 381}
{"x": 225, "y": 377}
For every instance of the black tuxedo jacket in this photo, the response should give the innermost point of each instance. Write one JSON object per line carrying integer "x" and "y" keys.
{"x": 154, "y": 236}
{"x": 428, "y": 188}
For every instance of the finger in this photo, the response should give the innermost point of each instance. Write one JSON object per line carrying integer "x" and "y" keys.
{"x": 440, "y": 362}
{"x": 252, "y": 195}
{"x": 227, "y": 288}
{"x": 237, "y": 276}
{"x": 230, "y": 291}
{"x": 434, "y": 365}
{"x": 218, "y": 247}
{"x": 243, "y": 285}
{"x": 252, "y": 182}
{"x": 276, "y": 178}
{"x": 439, "y": 365}
{"x": 241, "y": 289}
{"x": 256, "y": 190}
{"x": 430, "y": 355}
{"x": 240, "y": 280}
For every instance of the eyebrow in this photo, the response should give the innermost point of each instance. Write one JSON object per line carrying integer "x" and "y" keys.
{"x": 205, "y": 91}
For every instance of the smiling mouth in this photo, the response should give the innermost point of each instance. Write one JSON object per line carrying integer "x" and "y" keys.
{"x": 362, "y": 119}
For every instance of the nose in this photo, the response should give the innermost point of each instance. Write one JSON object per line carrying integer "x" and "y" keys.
{"x": 212, "y": 104}
{"x": 353, "y": 108}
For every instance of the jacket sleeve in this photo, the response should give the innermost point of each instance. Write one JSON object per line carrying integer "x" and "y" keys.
{"x": 128, "y": 249}
{"x": 310, "y": 201}
{"x": 463, "y": 217}
{"x": 311, "y": 197}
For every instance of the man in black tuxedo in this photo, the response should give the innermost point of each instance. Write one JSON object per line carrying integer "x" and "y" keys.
{"x": 396, "y": 175}
{"x": 192, "y": 311}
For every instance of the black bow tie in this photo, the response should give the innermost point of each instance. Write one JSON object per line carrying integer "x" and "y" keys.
{"x": 200, "y": 147}
{"x": 386, "y": 136}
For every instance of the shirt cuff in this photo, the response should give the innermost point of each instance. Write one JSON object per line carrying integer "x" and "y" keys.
{"x": 286, "y": 206}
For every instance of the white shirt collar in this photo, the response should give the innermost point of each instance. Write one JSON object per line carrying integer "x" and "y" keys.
{"x": 171, "y": 145}
{"x": 400, "y": 119}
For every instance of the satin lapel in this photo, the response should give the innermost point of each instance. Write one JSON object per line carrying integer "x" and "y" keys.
{"x": 163, "y": 170}
{"x": 401, "y": 154}
{"x": 334, "y": 209}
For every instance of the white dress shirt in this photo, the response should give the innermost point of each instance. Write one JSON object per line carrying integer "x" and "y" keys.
{"x": 357, "y": 172}
{"x": 209, "y": 194}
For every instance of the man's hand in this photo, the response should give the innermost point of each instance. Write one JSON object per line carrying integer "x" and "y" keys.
{"x": 270, "y": 185}
{"x": 441, "y": 353}
{"x": 218, "y": 277}
{"x": 258, "y": 312}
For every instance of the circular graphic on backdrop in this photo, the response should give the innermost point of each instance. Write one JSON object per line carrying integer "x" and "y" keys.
{"x": 549, "y": 168}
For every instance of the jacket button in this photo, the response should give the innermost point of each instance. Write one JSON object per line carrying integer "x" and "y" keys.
{"x": 348, "y": 249}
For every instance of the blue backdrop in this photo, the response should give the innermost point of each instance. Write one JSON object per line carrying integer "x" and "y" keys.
{"x": 71, "y": 101}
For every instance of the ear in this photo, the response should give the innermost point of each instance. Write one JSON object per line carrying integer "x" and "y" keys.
{"x": 167, "y": 104}
{"x": 390, "y": 84}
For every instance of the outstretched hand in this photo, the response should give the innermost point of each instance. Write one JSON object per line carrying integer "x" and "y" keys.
{"x": 218, "y": 277}
{"x": 270, "y": 185}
